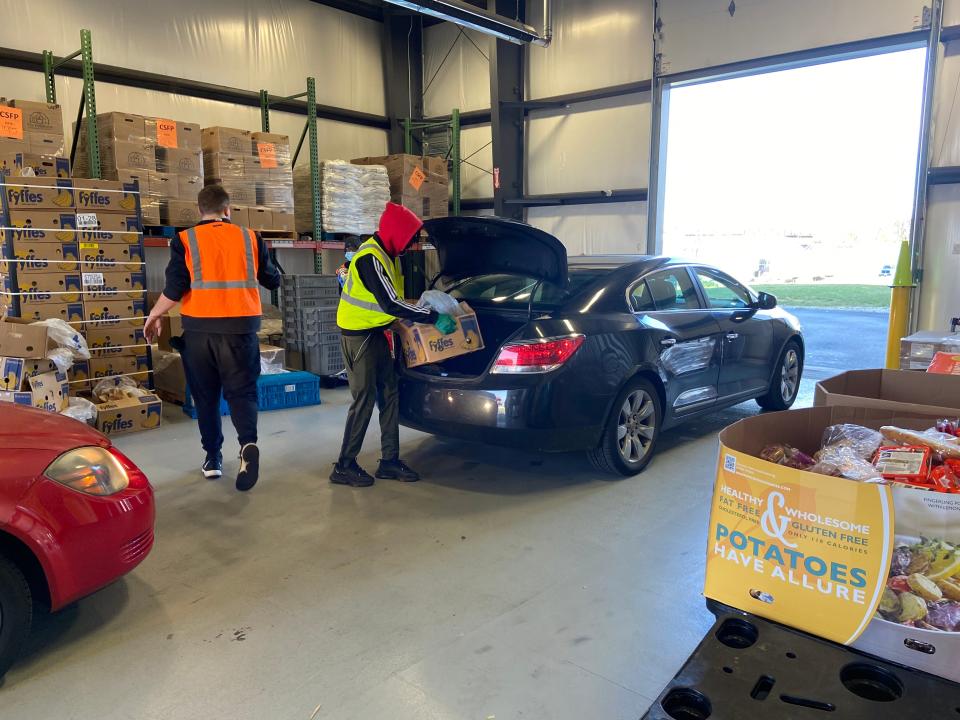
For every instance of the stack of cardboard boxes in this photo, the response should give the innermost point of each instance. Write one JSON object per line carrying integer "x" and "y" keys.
{"x": 74, "y": 252}
{"x": 163, "y": 156}
{"x": 421, "y": 184}
{"x": 255, "y": 169}
{"x": 26, "y": 376}
{"x": 31, "y": 135}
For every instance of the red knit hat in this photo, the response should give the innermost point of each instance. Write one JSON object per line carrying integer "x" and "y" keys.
{"x": 398, "y": 227}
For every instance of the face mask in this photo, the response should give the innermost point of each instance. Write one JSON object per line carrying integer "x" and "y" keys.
{"x": 349, "y": 255}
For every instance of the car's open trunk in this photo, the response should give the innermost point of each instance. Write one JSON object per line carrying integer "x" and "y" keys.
{"x": 496, "y": 326}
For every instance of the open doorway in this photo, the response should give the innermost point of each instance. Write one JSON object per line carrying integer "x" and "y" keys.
{"x": 800, "y": 182}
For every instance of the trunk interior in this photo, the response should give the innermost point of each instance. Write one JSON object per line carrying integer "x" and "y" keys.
{"x": 496, "y": 326}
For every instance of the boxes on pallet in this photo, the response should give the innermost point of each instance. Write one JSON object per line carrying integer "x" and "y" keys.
{"x": 28, "y": 193}
{"x": 241, "y": 193}
{"x": 122, "y": 155}
{"x": 114, "y": 313}
{"x": 14, "y": 164}
{"x": 38, "y": 117}
{"x": 164, "y": 186}
{"x": 96, "y": 255}
{"x": 43, "y": 226}
{"x": 179, "y": 213}
{"x": 109, "y": 342}
{"x": 167, "y": 133}
{"x": 51, "y": 145}
{"x": 240, "y": 215}
{"x": 50, "y": 287}
{"x": 180, "y": 161}
{"x": 282, "y": 220}
{"x": 272, "y": 149}
{"x": 225, "y": 166}
{"x": 109, "y": 196}
{"x": 259, "y": 218}
{"x": 119, "y": 126}
{"x": 418, "y": 183}
{"x": 115, "y": 284}
{"x": 68, "y": 312}
{"x": 39, "y": 257}
{"x": 110, "y": 228}
{"x": 189, "y": 187}
{"x": 228, "y": 140}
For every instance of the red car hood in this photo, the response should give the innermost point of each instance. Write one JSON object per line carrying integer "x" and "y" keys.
{"x": 28, "y": 428}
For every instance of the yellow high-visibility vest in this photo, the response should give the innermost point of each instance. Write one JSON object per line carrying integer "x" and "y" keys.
{"x": 358, "y": 309}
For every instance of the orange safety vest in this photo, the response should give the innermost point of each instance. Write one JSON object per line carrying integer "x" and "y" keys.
{"x": 222, "y": 260}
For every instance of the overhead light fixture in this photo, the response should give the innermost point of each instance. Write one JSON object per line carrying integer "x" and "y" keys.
{"x": 470, "y": 16}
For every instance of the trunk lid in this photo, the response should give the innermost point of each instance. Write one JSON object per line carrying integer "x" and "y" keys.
{"x": 468, "y": 246}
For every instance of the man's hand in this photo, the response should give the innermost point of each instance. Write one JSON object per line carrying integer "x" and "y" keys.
{"x": 151, "y": 328}
{"x": 445, "y": 324}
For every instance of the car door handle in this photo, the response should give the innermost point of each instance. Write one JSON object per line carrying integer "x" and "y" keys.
{"x": 668, "y": 342}
{"x": 732, "y": 336}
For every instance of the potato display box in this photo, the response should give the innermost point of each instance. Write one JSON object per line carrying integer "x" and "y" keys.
{"x": 819, "y": 553}
{"x": 129, "y": 415}
{"x": 424, "y": 344}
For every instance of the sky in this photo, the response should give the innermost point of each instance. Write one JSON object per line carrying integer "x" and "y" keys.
{"x": 828, "y": 150}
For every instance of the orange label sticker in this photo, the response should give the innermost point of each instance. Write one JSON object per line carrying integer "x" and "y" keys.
{"x": 416, "y": 178}
{"x": 166, "y": 133}
{"x": 268, "y": 155}
{"x": 11, "y": 122}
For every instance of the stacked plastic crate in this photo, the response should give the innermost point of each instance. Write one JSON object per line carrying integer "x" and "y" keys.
{"x": 309, "y": 304}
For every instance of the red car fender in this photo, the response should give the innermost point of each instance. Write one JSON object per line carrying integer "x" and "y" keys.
{"x": 39, "y": 539}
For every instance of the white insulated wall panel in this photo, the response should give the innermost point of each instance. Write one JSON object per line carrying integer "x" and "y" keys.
{"x": 457, "y": 78}
{"x": 596, "y": 43}
{"x": 614, "y": 228}
{"x": 945, "y": 144}
{"x": 474, "y": 182}
{"x": 246, "y": 44}
{"x": 702, "y": 33}
{"x": 601, "y": 145}
{"x": 337, "y": 140}
{"x": 940, "y": 291}
{"x": 951, "y": 13}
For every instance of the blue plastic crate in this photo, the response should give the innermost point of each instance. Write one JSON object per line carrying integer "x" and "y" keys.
{"x": 274, "y": 392}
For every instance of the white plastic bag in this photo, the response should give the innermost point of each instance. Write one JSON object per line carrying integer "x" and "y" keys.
{"x": 81, "y": 409}
{"x": 441, "y": 302}
{"x": 271, "y": 367}
{"x": 62, "y": 358}
{"x": 66, "y": 336}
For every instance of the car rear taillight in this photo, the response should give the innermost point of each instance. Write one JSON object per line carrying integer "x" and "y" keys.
{"x": 536, "y": 356}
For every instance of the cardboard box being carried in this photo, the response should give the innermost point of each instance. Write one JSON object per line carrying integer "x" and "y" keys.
{"x": 129, "y": 415}
{"x": 817, "y": 552}
{"x": 896, "y": 390}
{"x": 169, "y": 378}
{"x": 171, "y": 326}
{"x": 424, "y": 344}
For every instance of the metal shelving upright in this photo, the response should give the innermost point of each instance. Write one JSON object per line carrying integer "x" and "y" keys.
{"x": 88, "y": 100}
{"x": 439, "y": 138}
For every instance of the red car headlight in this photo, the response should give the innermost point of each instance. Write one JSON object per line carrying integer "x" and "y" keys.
{"x": 91, "y": 470}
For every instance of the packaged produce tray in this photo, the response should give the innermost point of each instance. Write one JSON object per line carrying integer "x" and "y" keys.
{"x": 274, "y": 392}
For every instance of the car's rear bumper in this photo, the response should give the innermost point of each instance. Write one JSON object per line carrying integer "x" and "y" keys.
{"x": 528, "y": 418}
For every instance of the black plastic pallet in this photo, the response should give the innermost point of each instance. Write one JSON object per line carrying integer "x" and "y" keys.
{"x": 747, "y": 668}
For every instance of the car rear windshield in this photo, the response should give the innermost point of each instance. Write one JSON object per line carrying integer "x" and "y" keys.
{"x": 508, "y": 290}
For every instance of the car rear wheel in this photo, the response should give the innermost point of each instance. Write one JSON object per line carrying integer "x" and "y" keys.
{"x": 786, "y": 380}
{"x": 631, "y": 432}
{"x": 16, "y": 613}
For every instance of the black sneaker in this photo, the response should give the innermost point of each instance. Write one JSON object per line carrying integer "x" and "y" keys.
{"x": 396, "y": 470}
{"x": 212, "y": 468}
{"x": 352, "y": 475}
{"x": 249, "y": 470}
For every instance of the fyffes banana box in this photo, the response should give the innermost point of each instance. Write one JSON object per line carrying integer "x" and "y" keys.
{"x": 108, "y": 227}
{"x": 50, "y": 391}
{"x": 37, "y": 192}
{"x": 45, "y": 257}
{"x": 68, "y": 312}
{"x": 97, "y": 256}
{"x": 79, "y": 375}
{"x": 43, "y": 288}
{"x": 114, "y": 313}
{"x": 129, "y": 415}
{"x": 17, "y": 398}
{"x": 43, "y": 226}
{"x": 111, "y": 342}
{"x": 11, "y": 373}
{"x": 423, "y": 344}
{"x": 102, "y": 367}
{"x": 116, "y": 284}
{"x": 105, "y": 196}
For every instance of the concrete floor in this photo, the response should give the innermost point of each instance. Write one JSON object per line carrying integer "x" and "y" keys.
{"x": 505, "y": 585}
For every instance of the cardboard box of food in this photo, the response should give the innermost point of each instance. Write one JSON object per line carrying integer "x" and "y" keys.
{"x": 241, "y": 193}
{"x": 108, "y": 227}
{"x": 43, "y": 144}
{"x": 41, "y": 165}
{"x": 11, "y": 373}
{"x": 135, "y": 179}
{"x": 823, "y": 553}
{"x": 135, "y": 366}
{"x": 169, "y": 133}
{"x": 117, "y": 284}
{"x": 224, "y": 139}
{"x": 188, "y": 136}
{"x": 41, "y": 257}
{"x": 68, "y": 312}
{"x": 180, "y": 161}
{"x": 424, "y": 344}
{"x": 50, "y": 391}
{"x": 255, "y": 169}
{"x": 104, "y": 196}
{"x": 917, "y": 350}
{"x": 37, "y": 288}
{"x": 188, "y": 188}
{"x": 179, "y": 213}
{"x": 224, "y": 166}
{"x": 96, "y": 255}
{"x": 114, "y": 313}
{"x": 259, "y": 218}
{"x": 119, "y": 126}
{"x": 78, "y": 376}
{"x": 275, "y": 196}
{"x": 43, "y": 226}
{"x": 39, "y": 117}
{"x": 946, "y": 364}
{"x": 129, "y": 415}
{"x": 897, "y": 390}
{"x": 19, "y": 338}
{"x": 164, "y": 186}
{"x": 240, "y": 215}
{"x": 28, "y": 193}
{"x": 283, "y": 220}
{"x": 104, "y": 342}
{"x": 127, "y": 155}
{"x": 169, "y": 379}
{"x": 171, "y": 326}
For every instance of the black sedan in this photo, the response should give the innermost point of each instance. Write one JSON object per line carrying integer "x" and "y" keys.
{"x": 594, "y": 353}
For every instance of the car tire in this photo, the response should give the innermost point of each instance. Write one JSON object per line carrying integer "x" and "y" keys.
{"x": 16, "y": 613}
{"x": 635, "y": 419}
{"x": 786, "y": 379}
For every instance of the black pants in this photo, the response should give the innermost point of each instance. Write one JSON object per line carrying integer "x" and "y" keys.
{"x": 373, "y": 381}
{"x": 218, "y": 363}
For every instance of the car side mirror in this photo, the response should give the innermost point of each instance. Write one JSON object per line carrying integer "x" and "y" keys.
{"x": 766, "y": 301}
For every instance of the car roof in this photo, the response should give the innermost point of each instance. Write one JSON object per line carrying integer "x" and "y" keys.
{"x": 638, "y": 263}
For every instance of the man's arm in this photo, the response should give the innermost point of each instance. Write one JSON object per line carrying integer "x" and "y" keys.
{"x": 177, "y": 285}
{"x": 375, "y": 279}
{"x": 267, "y": 273}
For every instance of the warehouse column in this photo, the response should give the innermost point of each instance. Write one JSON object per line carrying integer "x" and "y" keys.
{"x": 506, "y": 115}
{"x": 403, "y": 71}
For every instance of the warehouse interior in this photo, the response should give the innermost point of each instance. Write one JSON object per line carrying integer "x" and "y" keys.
{"x": 511, "y": 581}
